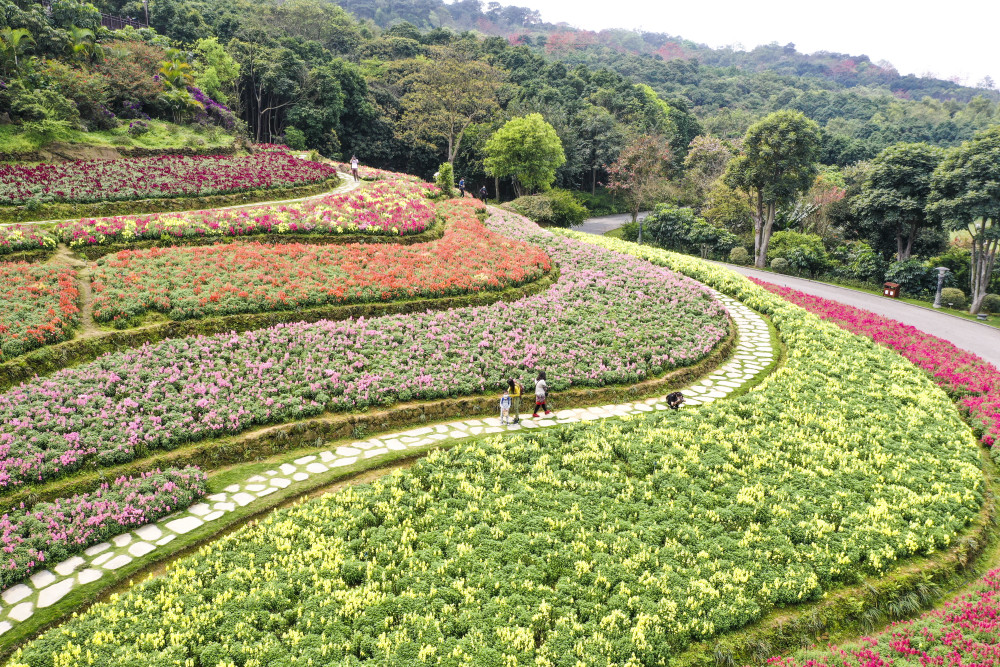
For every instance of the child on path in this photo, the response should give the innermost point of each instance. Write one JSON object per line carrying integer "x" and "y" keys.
{"x": 514, "y": 389}
{"x": 541, "y": 394}
{"x": 505, "y": 402}
{"x": 354, "y": 167}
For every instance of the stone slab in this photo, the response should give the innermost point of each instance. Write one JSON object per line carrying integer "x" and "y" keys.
{"x": 15, "y": 594}
{"x": 242, "y": 499}
{"x": 117, "y": 562}
{"x": 22, "y": 612}
{"x": 140, "y": 549}
{"x": 89, "y": 575}
{"x": 184, "y": 525}
{"x": 150, "y": 532}
{"x": 42, "y": 579}
{"x": 66, "y": 567}
{"x": 54, "y": 593}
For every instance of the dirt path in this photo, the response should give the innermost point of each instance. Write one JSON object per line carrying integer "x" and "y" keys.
{"x": 65, "y": 257}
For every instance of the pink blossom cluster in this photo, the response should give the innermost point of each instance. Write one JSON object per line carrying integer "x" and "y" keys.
{"x": 155, "y": 177}
{"x": 964, "y": 633}
{"x": 395, "y": 208}
{"x": 970, "y": 380}
{"x": 18, "y": 238}
{"x": 610, "y": 318}
{"x": 50, "y": 532}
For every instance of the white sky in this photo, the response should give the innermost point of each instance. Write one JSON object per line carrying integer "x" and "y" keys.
{"x": 954, "y": 38}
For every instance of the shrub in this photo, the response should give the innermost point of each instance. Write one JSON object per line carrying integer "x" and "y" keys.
{"x": 913, "y": 277}
{"x": 780, "y": 265}
{"x": 739, "y": 255}
{"x": 137, "y": 128}
{"x": 295, "y": 138}
{"x": 954, "y": 298}
{"x": 859, "y": 261}
{"x": 804, "y": 253}
{"x": 445, "y": 179}
{"x": 555, "y": 207}
{"x": 991, "y": 304}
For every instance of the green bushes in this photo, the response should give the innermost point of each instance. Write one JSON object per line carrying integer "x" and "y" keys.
{"x": 913, "y": 277}
{"x": 555, "y": 207}
{"x": 781, "y": 265}
{"x": 678, "y": 228}
{"x": 954, "y": 298}
{"x": 804, "y": 253}
{"x": 991, "y": 304}
{"x": 445, "y": 179}
{"x": 740, "y": 256}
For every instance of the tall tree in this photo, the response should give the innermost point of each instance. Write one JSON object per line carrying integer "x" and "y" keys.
{"x": 13, "y": 42}
{"x": 965, "y": 195}
{"x": 526, "y": 149}
{"x": 776, "y": 163}
{"x": 639, "y": 175}
{"x": 895, "y": 192}
{"x": 445, "y": 96}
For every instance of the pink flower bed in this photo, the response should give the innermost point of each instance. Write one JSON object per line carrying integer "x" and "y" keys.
{"x": 971, "y": 381}
{"x": 156, "y": 177}
{"x": 965, "y": 632}
{"x": 51, "y": 532}
{"x": 389, "y": 208}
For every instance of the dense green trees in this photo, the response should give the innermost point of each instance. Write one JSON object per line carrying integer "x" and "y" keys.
{"x": 528, "y": 150}
{"x": 894, "y": 195}
{"x": 966, "y": 196}
{"x": 776, "y": 163}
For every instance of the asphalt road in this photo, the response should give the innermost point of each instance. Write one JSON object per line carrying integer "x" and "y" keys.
{"x": 978, "y": 338}
{"x": 605, "y": 223}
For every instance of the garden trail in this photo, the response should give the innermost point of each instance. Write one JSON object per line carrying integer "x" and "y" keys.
{"x": 754, "y": 358}
{"x": 63, "y": 256}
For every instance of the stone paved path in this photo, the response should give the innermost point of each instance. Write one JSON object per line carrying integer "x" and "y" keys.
{"x": 753, "y": 354}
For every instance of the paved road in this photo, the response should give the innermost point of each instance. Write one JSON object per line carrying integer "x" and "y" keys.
{"x": 978, "y": 338}
{"x": 605, "y": 223}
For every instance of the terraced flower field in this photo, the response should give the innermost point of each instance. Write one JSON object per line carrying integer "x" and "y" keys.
{"x": 616, "y": 543}
{"x": 394, "y": 207}
{"x": 187, "y": 283}
{"x": 19, "y": 238}
{"x": 38, "y": 305}
{"x": 84, "y": 181}
{"x": 973, "y": 382}
{"x": 609, "y": 319}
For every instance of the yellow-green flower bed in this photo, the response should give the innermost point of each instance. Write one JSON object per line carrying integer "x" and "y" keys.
{"x": 612, "y": 543}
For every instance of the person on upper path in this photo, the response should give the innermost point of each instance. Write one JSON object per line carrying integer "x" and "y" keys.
{"x": 483, "y": 193}
{"x": 541, "y": 394}
{"x": 514, "y": 389}
{"x": 354, "y": 167}
{"x": 461, "y": 188}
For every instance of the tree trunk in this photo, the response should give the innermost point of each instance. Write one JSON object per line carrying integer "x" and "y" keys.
{"x": 593, "y": 180}
{"x": 759, "y": 225}
{"x": 984, "y": 256}
{"x": 496, "y": 188}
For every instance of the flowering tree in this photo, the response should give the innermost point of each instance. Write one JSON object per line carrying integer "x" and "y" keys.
{"x": 639, "y": 173}
{"x": 965, "y": 195}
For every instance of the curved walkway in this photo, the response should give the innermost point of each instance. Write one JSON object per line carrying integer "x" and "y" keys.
{"x": 754, "y": 353}
{"x": 977, "y": 338}
{"x": 606, "y": 223}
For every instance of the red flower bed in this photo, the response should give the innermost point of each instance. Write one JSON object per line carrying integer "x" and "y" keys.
{"x": 966, "y": 632}
{"x": 227, "y": 279}
{"x": 970, "y": 380}
{"x": 86, "y": 181}
{"x": 38, "y": 305}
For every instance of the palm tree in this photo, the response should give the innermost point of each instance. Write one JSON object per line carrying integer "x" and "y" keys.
{"x": 12, "y": 43}
{"x": 82, "y": 44}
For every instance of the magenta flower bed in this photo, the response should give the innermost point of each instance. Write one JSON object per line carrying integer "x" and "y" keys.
{"x": 50, "y": 532}
{"x": 18, "y": 238}
{"x": 965, "y": 633}
{"x": 609, "y": 319}
{"x": 85, "y": 181}
{"x": 971, "y": 381}
{"x": 390, "y": 208}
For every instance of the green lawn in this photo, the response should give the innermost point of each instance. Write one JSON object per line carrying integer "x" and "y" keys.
{"x": 160, "y": 135}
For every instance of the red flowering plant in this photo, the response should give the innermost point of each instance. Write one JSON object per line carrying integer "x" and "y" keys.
{"x": 38, "y": 305}
{"x": 192, "y": 282}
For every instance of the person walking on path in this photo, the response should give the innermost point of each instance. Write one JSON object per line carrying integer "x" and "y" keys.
{"x": 505, "y": 402}
{"x": 541, "y": 394}
{"x": 483, "y": 193}
{"x": 461, "y": 188}
{"x": 514, "y": 389}
{"x": 354, "y": 167}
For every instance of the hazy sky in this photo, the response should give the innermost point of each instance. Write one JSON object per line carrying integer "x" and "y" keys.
{"x": 956, "y": 38}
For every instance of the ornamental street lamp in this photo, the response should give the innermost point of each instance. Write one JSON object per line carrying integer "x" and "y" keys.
{"x": 937, "y": 297}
